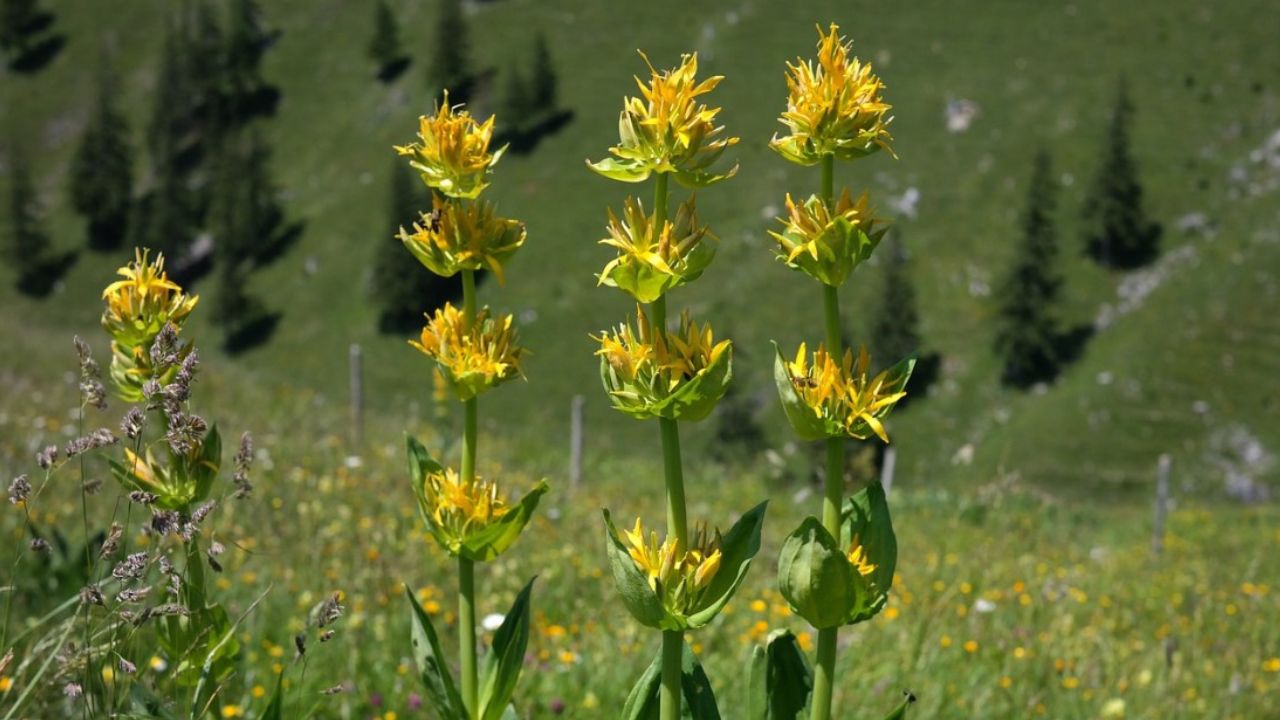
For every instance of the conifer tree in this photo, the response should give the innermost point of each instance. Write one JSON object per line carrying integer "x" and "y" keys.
{"x": 1027, "y": 334}
{"x": 448, "y": 67}
{"x": 542, "y": 85}
{"x": 26, "y": 247}
{"x": 236, "y": 215}
{"x": 1117, "y": 231}
{"x": 517, "y": 106}
{"x": 384, "y": 47}
{"x": 102, "y": 170}
{"x": 895, "y": 333}
{"x": 402, "y": 290}
{"x": 204, "y": 59}
{"x": 247, "y": 40}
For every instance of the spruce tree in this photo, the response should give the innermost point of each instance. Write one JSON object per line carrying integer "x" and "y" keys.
{"x": 542, "y": 86}
{"x": 102, "y": 170}
{"x": 1117, "y": 231}
{"x": 384, "y": 47}
{"x": 26, "y": 245}
{"x": 247, "y": 40}
{"x": 403, "y": 288}
{"x": 1027, "y": 333}
{"x": 517, "y": 106}
{"x": 205, "y": 65}
{"x": 448, "y": 67}
{"x": 895, "y": 332}
{"x": 234, "y": 217}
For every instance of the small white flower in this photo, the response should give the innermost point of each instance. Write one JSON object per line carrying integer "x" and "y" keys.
{"x": 984, "y": 605}
{"x": 492, "y": 621}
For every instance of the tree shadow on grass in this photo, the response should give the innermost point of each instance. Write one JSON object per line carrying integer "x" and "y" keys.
{"x": 38, "y": 55}
{"x": 40, "y": 281}
{"x": 524, "y": 140}
{"x": 252, "y": 334}
{"x": 394, "y": 69}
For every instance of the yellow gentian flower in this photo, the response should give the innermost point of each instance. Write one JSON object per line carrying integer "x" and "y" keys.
{"x": 833, "y": 107}
{"x": 829, "y": 398}
{"x": 827, "y": 243}
{"x": 667, "y": 130}
{"x": 652, "y": 260}
{"x": 452, "y": 153}
{"x": 463, "y": 236}
{"x": 475, "y": 356}
{"x": 141, "y": 304}
{"x": 675, "y": 573}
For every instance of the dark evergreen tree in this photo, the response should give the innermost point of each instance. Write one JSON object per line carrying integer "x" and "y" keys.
{"x": 1117, "y": 231}
{"x": 404, "y": 289}
{"x": 448, "y": 67}
{"x": 517, "y": 106}
{"x": 384, "y": 47}
{"x": 895, "y": 332}
{"x": 208, "y": 103}
{"x": 247, "y": 40}
{"x": 542, "y": 85}
{"x": 17, "y": 18}
{"x": 739, "y": 436}
{"x": 243, "y": 205}
{"x": 26, "y": 247}
{"x": 102, "y": 170}
{"x": 1027, "y": 333}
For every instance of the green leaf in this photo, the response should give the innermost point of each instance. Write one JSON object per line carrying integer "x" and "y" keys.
{"x": 494, "y": 539}
{"x": 900, "y": 712}
{"x": 275, "y": 708}
{"x": 203, "y": 469}
{"x": 807, "y": 425}
{"x": 696, "y": 179}
{"x": 644, "y": 701}
{"x": 623, "y": 170}
{"x": 633, "y": 585}
{"x": 436, "y": 678}
{"x": 737, "y": 548}
{"x": 505, "y": 659}
{"x": 816, "y": 577}
{"x": 866, "y": 515}
{"x": 780, "y": 679}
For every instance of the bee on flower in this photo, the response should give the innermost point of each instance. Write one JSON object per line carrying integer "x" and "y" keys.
{"x": 834, "y": 107}
{"x": 825, "y": 398}
{"x": 452, "y": 153}
{"x": 667, "y": 130}
{"x": 676, "y": 375}
{"x": 651, "y": 259}
{"x": 458, "y": 236}
{"x": 827, "y": 243}
{"x": 473, "y": 357}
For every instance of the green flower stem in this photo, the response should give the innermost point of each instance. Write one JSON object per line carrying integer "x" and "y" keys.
{"x": 672, "y": 653}
{"x": 466, "y": 568}
{"x": 833, "y": 483}
{"x": 677, "y": 522}
{"x": 467, "y": 634}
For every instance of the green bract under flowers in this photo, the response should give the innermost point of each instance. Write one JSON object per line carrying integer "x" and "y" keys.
{"x": 468, "y": 520}
{"x": 831, "y": 582}
{"x": 668, "y": 587}
{"x": 181, "y": 483}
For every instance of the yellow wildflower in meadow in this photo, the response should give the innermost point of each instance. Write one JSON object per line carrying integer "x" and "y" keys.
{"x": 667, "y": 130}
{"x": 834, "y": 107}
{"x": 473, "y": 357}
{"x": 141, "y": 304}
{"x": 859, "y": 559}
{"x": 828, "y": 243}
{"x": 463, "y": 236}
{"x": 675, "y": 571}
{"x": 452, "y": 153}
{"x": 458, "y": 508}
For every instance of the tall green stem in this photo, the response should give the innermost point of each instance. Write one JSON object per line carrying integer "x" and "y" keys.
{"x": 466, "y": 568}
{"x": 677, "y": 521}
{"x": 833, "y": 483}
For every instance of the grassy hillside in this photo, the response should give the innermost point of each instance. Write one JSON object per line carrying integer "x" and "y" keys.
{"x": 1203, "y": 80}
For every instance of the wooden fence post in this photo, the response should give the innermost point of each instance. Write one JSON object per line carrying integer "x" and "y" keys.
{"x": 1162, "y": 505}
{"x": 575, "y": 442}
{"x": 886, "y": 469}
{"x": 357, "y": 396}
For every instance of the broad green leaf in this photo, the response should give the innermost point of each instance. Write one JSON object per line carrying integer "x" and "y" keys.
{"x": 737, "y": 548}
{"x": 434, "y": 670}
{"x": 633, "y": 585}
{"x": 644, "y": 701}
{"x": 490, "y": 542}
{"x": 780, "y": 679}
{"x": 816, "y": 577}
{"x": 866, "y": 515}
{"x": 203, "y": 469}
{"x": 505, "y": 659}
